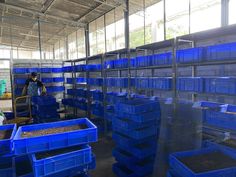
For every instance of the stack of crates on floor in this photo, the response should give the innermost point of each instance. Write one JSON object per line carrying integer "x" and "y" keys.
{"x": 51, "y": 149}
{"x": 2, "y": 87}
{"x": 135, "y": 132}
{"x": 207, "y": 162}
{"x": 44, "y": 109}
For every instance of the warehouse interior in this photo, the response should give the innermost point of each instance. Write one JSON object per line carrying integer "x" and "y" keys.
{"x": 117, "y": 88}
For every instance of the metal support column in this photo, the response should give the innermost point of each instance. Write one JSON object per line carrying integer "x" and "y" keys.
{"x": 224, "y": 12}
{"x": 40, "y": 45}
{"x": 87, "y": 72}
{"x": 127, "y": 43}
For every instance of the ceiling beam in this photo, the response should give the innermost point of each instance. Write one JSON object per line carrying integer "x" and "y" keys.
{"x": 40, "y": 14}
{"x": 47, "y": 5}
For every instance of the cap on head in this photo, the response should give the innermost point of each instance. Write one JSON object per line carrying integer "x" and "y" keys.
{"x": 34, "y": 74}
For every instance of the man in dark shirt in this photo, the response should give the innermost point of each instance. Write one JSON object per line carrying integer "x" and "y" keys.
{"x": 32, "y": 86}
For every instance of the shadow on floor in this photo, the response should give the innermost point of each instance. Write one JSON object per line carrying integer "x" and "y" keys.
{"x": 104, "y": 160}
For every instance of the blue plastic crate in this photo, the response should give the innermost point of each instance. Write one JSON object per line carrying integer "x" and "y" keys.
{"x": 20, "y": 70}
{"x": 58, "y": 79}
{"x": 59, "y": 88}
{"x": 54, "y": 141}
{"x": 53, "y": 89}
{"x": 136, "y": 106}
{"x": 6, "y": 169}
{"x": 22, "y": 166}
{"x": 93, "y": 67}
{"x": 192, "y": 84}
{"x": 190, "y": 55}
{"x": 137, "y": 133}
{"x": 80, "y": 68}
{"x": 80, "y": 103}
{"x": 19, "y": 80}
{"x": 141, "y": 118}
{"x": 160, "y": 83}
{"x": 111, "y": 97}
{"x": 184, "y": 171}
{"x": 95, "y": 81}
{"x": 162, "y": 59}
{"x": 30, "y": 70}
{"x": 227, "y": 108}
{"x": 6, "y": 144}
{"x": 47, "y": 80}
{"x": 140, "y": 151}
{"x": 71, "y": 92}
{"x": 81, "y": 93}
{"x": 122, "y": 171}
{"x": 72, "y": 157}
{"x": 207, "y": 104}
{"x": 142, "y": 83}
{"x": 131, "y": 125}
{"x": 221, "y": 85}
{"x": 142, "y": 61}
{"x": 141, "y": 167}
{"x": 67, "y": 69}
{"x": 43, "y": 100}
{"x": 80, "y": 171}
{"x": 44, "y": 108}
{"x": 220, "y": 120}
{"x": 109, "y": 64}
{"x": 46, "y": 70}
{"x": 121, "y": 63}
{"x": 221, "y": 52}
{"x": 76, "y": 80}
{"x": 125, "y": 140}
{"x": 68, "y": 102}
{"x": 57, "y": 70}
{"x": 97, "y": 95}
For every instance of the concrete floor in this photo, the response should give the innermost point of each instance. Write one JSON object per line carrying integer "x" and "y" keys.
{"x": 104, "y": 160}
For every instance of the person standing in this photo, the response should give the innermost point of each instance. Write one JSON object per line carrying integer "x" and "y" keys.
{"x": 33, "y": 85}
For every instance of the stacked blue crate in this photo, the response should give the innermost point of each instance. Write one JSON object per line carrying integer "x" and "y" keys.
{"x": 142, "y": 83}
{"x": 80, "y": 68}
{"x": 160, "y": 83}
{"x": 93, "y": 67}
{"x": 121, "y": 63}
{"x": 68, "y": 69}
{"x": 53, "y": 89}
{"x": 162, "y": 59}
{"x": 206, "y": 162}
{"x": 143, "y": 61}
{"x": 191, "y": 84}
{"x": 109, "y": 64}
{"x": 61, "y": 153}
{"x": 135, "y": 131}
{"x": 221, "y": 85}
{"x": 41, "y": 111}
{"x": 97, "y": 95}
{"x": 7, "y": 133}
{"x": 95, "y": 81}
{"x": 190, "y": 55}
{"x": 98, "y": 109}
{"x": 221, "y": 52}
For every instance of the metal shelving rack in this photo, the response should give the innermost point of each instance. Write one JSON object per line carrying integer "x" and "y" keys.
{"x": 168, "y": 45}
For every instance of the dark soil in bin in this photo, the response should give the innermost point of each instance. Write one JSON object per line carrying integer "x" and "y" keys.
{"x": 208, "y": 162}
{"x": 230, "y": 143}
{"x": 52, "y": 131}
{"x": 43, "y": 155}
{"x": 5, "y": 134}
